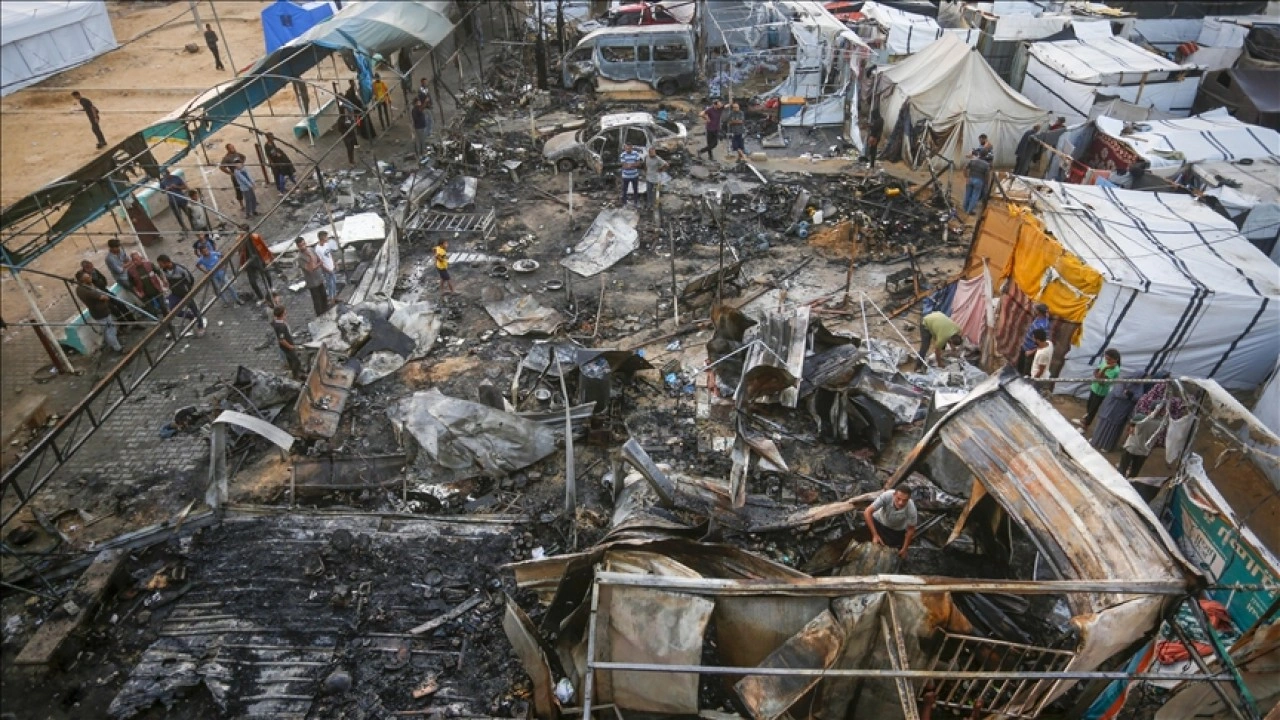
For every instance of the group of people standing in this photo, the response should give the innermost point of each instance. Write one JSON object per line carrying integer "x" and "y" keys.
{"x": 1133, "y": 415}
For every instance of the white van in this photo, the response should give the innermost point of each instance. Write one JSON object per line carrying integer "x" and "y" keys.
{"x": 618, "y": 59}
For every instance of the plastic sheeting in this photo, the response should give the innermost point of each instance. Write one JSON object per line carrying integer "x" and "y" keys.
{"x": 1182, "y": 290}
{"x": 383, "y": 27}
{"x": 41, "y": 39}
{"x": 1068, "y": 76}
{"x": 1211, "y": 136}
{"x": 908, "y": 33}
{"x": 457, "y": 439}
{"x": 962, "y": 96}
{"x": 284, "y": 20}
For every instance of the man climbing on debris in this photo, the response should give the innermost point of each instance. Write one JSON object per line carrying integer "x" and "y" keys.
{"x": 442, "y": 266}
{"x": 711, "y": 116}
{"x": 737, "y": 128}
{"x": 313, "y": 274}
{"x": 281, "y": 166}
{"x": 975, "y": 173}
{"x": 99, "y": 305}
{"x": 654, "y": 175}
{"x": 631, "y": 161}
{"x": 937, "y": 332}
{"x": 892, "y": 519}
{"x": 875, "y": 129}
{"x": 284, "y": 340}
{"x": 91, "y": 111}
{"x": 1039, "y": 321}
{"x": 211, "y": 39}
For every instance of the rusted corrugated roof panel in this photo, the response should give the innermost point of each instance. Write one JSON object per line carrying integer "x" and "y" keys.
{"x": 1033, "y": 463}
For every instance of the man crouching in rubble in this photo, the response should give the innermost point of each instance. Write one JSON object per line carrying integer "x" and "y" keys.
{"x": 892, "y": 519}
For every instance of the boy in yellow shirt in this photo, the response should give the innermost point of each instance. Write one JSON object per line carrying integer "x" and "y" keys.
{"x": 382, "y": 99}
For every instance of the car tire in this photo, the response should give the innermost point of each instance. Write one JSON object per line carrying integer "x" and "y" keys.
{"x": 566, "y": 165}
{"x": 667, "y": 87}
{"x": 584, "y": 87}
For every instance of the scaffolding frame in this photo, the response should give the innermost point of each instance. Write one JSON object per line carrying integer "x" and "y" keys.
{"x": 902, "y": 675}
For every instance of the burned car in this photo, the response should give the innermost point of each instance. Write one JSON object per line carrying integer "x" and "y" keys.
{"x": 598, "y": 145}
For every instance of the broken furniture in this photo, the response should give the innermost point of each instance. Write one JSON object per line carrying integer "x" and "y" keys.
{"x": 323, "y": 397}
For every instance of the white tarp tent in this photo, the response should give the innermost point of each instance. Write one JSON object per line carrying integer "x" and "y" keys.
{"x": 955, "y": 88}
{"x": 1211, "y": 136}
{"x": 41, "y": 39}
{"x": 1182, "y": 290}
{"x": 1069, "y": 76}
{"x": 908, "y": 33}
{"x": 1250, "y": 191}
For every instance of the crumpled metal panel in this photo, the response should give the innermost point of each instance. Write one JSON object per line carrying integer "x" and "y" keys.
{"x": 611, "y": 237}
{"x": 323, "y": 397}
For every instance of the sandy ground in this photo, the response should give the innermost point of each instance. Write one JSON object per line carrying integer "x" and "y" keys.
{"x": 44, "y": 135}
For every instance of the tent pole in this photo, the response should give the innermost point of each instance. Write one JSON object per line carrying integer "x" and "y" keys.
{"x": 50, "y": 344}
{"x": 208, "y": 186}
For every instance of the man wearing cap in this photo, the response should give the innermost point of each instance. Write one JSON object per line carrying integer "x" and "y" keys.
{"x": 1039, "y": 321}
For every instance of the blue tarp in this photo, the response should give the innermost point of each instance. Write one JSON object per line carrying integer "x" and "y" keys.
{"x": 285, "y": 20}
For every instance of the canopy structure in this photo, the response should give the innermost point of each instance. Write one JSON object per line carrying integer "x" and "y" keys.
{"x": 961, "y": 95}
{"x": 365, "y": 29}
{"x": 1168, "y": 145}
{"x": 1160, "y": 277}
{"x": 41, "y": 39}
{"x": 1069, "y": 76}
{"x": 284, "y": 20}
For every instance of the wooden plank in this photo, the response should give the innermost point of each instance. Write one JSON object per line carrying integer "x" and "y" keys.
{"x": 43, "y": 648}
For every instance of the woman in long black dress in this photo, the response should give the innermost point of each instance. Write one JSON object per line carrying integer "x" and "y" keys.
{"x": 1113, "y": 416}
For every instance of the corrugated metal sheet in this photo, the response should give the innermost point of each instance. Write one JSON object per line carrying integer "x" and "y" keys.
{"x": 1076, "y": 517}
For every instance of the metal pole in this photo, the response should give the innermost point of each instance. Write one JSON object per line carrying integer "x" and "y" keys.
{"x": 195, "y": 13}
{"x": 885, "y": 674}
{"x": 225, "y": 47}
{"x": 50, "y": 343}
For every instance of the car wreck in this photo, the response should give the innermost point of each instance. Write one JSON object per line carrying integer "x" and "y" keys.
{"x": 1070, "y": 569}
{"x": 598, "y": 145}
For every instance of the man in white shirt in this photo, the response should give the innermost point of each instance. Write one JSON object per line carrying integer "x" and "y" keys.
{"x": 325, "y": 249}
{"x": 1043, "y": 356}
{"x": 892, "y": 519}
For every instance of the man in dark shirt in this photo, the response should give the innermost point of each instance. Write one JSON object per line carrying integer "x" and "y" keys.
{"x": 711, "y": 116}
{"x": 357, "y": 104}
{"x": 181, "y": 282}
{"x": 421, "y": 126}
{"x": 875, "y": 129}
{"x": 211, "y": 39}
{"x": 91, "y": 111}
{"x": 284, "y": 339}
{"x": 281, "y": 166}
{"x": 232, "y": 162}
{"x": 175, "y": 189}
{"x": 1025, "y": 151}
{"x": 975, "y": 172}
{"x": 99, "y": 306}
{"x": 346, "y": 128}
